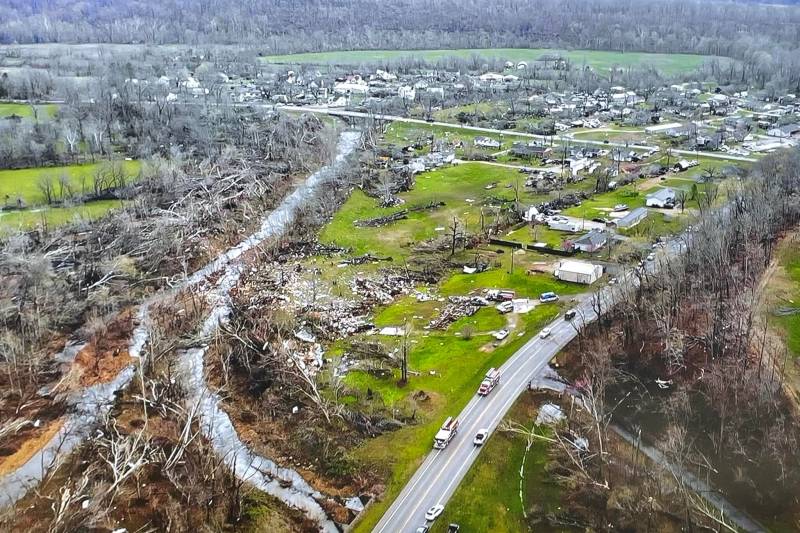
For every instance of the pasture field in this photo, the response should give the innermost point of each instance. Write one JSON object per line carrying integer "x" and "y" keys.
{"x": 599, "y": 60}
{"x": 8, "y": 109}
{"x": 24, "y": 183}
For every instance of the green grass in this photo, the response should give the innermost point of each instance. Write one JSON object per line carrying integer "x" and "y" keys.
{"x": 488, "y": 498}
{"x": 599, "y": 60}
{"x": 599, "y": 204}
{"x": 459, "y": 366}
{"x": 43, "y": 111}
{"x": 24, "y": 183}
{"x": 789, "y": 260}
{"x": 56, "y": 216}
{"x": 452, "y": 185}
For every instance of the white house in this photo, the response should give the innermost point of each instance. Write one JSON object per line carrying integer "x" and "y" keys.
{"x": 578, "y": 272}
{"x": 487, "y": 142}
{"x": 406, "y": 92}
{"x": 661, "y": 198}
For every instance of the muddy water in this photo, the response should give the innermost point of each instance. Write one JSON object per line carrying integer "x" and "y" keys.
{"x": 90, "y": 405}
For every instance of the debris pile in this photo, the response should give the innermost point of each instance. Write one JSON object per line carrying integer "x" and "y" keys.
{"x": 382, "y": 290}
{"x": 362, "y": 259}
{"x": 397, "y": 215}
{"x": 456, "y": 308}
{"x": 565, "y": 201}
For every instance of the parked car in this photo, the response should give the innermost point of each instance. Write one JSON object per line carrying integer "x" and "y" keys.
{"x": 547, "y": 297}
{"x": 423, "y": 529}
{"x": 505, "y": 307}
{"x": 569, "y": 315}
{"x": 480, "y": 437}
{"x": 500, "y": 335}
{"x": 434, "y": 512}
{"x": 545, "y": 333}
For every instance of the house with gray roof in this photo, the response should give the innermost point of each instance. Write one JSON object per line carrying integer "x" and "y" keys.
{"x": 661, "y": 198}
{"x": 632, "y": 218}
{"x": 592, "y": 241}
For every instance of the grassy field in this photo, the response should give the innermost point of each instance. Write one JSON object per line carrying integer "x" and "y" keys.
{"x": 452, "y": 185}
{"x": 785, "y": 289}
{"x": 8, "y": 109}
{"x": 24, "y": 183}
{"x": 488, "y": 499}
{"x": 599, "y": 60}
{"x": 56, "y": 216}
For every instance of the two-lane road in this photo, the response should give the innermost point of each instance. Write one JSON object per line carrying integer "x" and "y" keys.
{"x": 440, "y": 474}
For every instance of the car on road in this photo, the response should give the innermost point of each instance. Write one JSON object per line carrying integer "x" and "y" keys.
{"x": 423, "y": 529}
{"x": 480, "y": 437}
{"x": 434, "y": 512}
{"x": 545, "y": 333}
{"x": 569, "y": 315}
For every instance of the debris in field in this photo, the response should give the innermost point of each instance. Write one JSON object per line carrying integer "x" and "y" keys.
{"x": 362, "y": 259}
{"x": 457, "y": 307}
{"x": 549, "y": 414}
{"x": 663, "y": 384}
{"x": 397, "y": 215}
{"x": 354, "y": 504}
{"x": 392, "y": 331}
{"x": 305, "y": 336}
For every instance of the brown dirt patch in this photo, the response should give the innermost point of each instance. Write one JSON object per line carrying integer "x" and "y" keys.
{"x": 28, "y": 447}
{"x": 106, "y": 353}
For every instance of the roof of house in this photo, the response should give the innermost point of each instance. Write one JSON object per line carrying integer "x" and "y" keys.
{"x": 633, "y": 216}
{"x": 664, "y": 194}
{"x": 578, "y": 267}
{"x": 595, "y": 237}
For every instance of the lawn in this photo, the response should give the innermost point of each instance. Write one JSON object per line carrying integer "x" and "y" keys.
{"x": 8, "y": 109}
{"x": 601, "y": 204}
{"x": 452, "y": 185}
{"x": 488, "y": 498}
{"x": 786, "y": 291}
{"x": 56, "y": 216}
{"x": 599, "y": 60}
{"x": 459, "y": 365}
{"x": 24, "y": 183}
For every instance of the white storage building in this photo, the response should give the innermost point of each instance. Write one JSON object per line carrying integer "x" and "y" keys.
{"x": 578, "y": 272}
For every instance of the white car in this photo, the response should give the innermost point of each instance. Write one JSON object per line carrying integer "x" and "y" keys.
{"x": 434, "y": 512}
{"x": 480, "y": 437}
{"x": 545, "y": 333}
{"x": 651, "y": 257}
{"x": 500, "y": 335}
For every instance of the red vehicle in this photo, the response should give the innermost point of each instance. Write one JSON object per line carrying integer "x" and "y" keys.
{"x": 492, "y": 378}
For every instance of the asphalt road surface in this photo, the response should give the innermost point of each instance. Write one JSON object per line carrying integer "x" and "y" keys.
{"x": 440, "y": 474}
